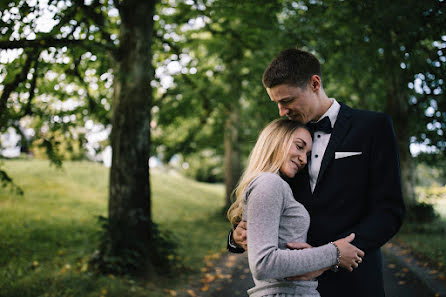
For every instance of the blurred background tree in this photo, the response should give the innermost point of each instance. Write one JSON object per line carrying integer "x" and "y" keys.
{"x": 93, "y": 64}
{"x": 383, "y": 56}
{"x": 217, "y": 98}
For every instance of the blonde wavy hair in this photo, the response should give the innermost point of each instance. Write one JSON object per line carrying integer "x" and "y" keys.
{"x": 268, "y": 155}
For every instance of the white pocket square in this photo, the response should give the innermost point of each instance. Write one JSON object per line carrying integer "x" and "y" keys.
{"x": 339, "y": 155}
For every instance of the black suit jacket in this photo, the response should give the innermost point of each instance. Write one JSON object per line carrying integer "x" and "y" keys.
{"x": 359, "y": 193}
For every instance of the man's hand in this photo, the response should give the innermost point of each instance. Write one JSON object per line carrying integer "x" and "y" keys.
{"x": 239, "y": 235}
{"x": 351, "y": 256}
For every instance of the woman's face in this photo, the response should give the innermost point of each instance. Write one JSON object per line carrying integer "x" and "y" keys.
{"x": 297, "y": 155}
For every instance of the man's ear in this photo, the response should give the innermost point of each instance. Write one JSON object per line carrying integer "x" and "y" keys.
{"x": 315, "y": 82}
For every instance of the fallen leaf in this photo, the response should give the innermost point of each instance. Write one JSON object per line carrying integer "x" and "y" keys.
{"x": 205, "y": 288}
{"x": 191, "y": 293}
{"x": 207, "y": 278}
{"x": 401, "y": 283}
{"x": 391, "y": 266}
{"x": 232, "y": 258}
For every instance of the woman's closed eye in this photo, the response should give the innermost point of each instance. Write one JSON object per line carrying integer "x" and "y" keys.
{"x": 300, "y": 146}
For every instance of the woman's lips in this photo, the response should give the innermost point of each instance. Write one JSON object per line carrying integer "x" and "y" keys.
{"x": 298, "y": 167}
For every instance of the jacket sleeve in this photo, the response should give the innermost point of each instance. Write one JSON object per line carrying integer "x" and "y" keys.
{"x": 386, "y": 206}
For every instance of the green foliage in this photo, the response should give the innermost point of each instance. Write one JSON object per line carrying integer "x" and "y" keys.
{"x": 435, "y": 169}
{"x": 50, "y": 233}
{"x": 221, "y": 61}
{"x": 6, "y": 181}
{"x": 58, "y": 83}
{"x": 221, "y": 49}
{"x": 374, "y": 51}
{"x": 431, "y": 176}
{"x": 421, "y": 213}
{"x": 432, "y": 193}
{"x": 426, "y": 235}
{"x": 204, "y": 167}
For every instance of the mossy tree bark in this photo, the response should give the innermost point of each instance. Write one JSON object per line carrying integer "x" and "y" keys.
{"x": 129, "y": 209}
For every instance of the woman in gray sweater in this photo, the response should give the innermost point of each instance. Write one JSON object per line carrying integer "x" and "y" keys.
{"x": 265, "y": 200}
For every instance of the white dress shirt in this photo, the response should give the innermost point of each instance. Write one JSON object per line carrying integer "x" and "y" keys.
{"x": 320, "y": 142}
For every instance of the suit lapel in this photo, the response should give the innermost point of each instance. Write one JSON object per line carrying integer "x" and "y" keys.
{"x": 301, "y": 186}
{"x": 340, "y": 129}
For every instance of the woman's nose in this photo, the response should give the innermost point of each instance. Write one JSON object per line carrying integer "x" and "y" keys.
{"x": 303, "y": 159}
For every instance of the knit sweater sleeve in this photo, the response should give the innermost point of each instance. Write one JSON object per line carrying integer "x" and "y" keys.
{"x": 265, "y": 203}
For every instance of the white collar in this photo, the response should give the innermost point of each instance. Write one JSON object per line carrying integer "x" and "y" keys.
{"x": 332, "y": 112}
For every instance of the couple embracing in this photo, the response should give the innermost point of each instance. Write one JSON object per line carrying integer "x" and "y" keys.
{"x": 321, "y": 192}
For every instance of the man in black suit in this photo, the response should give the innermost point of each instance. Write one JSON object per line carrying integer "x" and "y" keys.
{"x": 352, "y": 183}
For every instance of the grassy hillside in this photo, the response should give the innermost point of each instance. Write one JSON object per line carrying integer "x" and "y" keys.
{"x": 47, "y": 235}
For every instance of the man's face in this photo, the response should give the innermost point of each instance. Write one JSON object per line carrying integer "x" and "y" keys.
{"x": 294, "y": 102}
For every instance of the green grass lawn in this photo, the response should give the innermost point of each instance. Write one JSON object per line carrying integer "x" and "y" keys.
{"x": 48, "y": 235}
{"x": 428, "y": 240}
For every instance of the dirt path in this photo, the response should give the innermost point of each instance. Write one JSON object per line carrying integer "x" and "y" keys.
{"x": 229, "y": 276}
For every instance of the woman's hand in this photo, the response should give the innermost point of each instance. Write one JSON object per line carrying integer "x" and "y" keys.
{"x": 351, "y": 256}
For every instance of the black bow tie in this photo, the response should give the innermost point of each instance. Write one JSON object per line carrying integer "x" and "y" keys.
{"x": 323, "y": 125}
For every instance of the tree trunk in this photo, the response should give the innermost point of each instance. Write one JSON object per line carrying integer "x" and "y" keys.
{"x": 232, "y": 145}
{"x": 397, "y": 108}
{"x": 129, "y": 202}
{"x": 232, "y": 153}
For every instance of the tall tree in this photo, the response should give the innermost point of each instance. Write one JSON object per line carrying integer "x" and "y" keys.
{"x": 129, "y": 205}
{"x": 120, "y": 33}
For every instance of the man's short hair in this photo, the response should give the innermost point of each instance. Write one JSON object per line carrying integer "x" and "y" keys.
{"x": 293, "y": 67}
